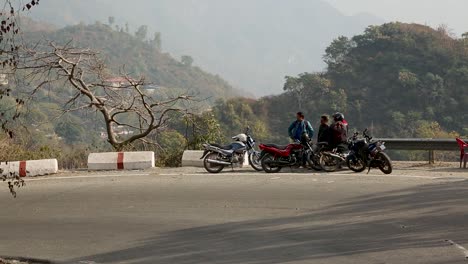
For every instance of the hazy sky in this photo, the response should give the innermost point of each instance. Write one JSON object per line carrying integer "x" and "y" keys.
{"x": 431, "y": 12}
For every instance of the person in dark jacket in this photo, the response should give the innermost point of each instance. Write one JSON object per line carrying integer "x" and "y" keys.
{"x": 323, "y": 133}
{"x": 300, "y": 126}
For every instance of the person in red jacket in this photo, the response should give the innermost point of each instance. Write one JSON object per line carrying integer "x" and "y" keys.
{"x": 338, "y": 131}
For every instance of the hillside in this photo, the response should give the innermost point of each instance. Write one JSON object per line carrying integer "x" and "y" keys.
{"x": 253, "y": 44}
{"x": 140, "y": 57}
{"x": 399, "y": 80}
{"x": 43, "y": 132}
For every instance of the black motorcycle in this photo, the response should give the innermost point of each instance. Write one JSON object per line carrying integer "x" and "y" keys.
{"x": 366, "y": 153}
{"x": 331, "y": 159}
{"x": 315, "y": 154}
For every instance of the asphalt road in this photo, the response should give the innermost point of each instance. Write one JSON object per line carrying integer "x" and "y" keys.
{"x": 187, "y": 216}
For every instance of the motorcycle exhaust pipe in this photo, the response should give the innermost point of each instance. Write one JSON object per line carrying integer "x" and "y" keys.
{"x": 277, "y": 163}
{"x": 218, "y": 162}
{"x": 335, "y": 156}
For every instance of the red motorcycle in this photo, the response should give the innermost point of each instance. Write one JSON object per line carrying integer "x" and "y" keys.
{"x": 275, "y": 157}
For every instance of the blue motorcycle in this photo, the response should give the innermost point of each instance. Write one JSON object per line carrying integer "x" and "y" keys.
{"x": 366, "y": 153}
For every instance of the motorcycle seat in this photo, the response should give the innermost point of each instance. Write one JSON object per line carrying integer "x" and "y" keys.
{"x": 227, "y": 147}
{"x": 281, "y": 147}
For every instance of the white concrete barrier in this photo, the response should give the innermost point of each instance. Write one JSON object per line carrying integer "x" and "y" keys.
{"x": 121, "y": 160}
{"x": 30, "y": 167}
{"x": 191, "y": 158}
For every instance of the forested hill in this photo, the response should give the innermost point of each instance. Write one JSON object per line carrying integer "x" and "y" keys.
{"x": 140, "y": 57}
{"x": 251, "y": 43}
{"x": 401, "y": 80}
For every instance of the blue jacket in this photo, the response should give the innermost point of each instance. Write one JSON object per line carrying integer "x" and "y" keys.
{"x": 296, "y": 129}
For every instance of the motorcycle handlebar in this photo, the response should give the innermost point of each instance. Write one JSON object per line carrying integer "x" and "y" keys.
{"x": 369, "y": 138}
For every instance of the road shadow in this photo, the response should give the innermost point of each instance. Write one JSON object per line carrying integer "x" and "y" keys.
{"x": 412, "y": 218}
{"x": 284, "y": 170}
{"x": 20, "y": 260}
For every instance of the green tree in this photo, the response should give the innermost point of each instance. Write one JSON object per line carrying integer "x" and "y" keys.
{"x": 186, "y": 60}
{"x": 306, "y": 86}
{"x": 70, "y": 129}
{"x": 202, "y": 129}
{"x": 156, "y": 41}
{"x": 142, "y": 32}
{"x": 337, "y": 52}
{"x": 171, "y": 148}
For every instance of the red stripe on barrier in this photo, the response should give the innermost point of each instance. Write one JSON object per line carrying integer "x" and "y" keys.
{"x": 120, "y": 161}
{"x": 22, "y": 169}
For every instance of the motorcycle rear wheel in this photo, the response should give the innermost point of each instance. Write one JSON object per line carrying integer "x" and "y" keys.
{"x": 329, "y": 163}
{"x": 385, "y": 164}
{"x": 358, "y": 166}
{"x": 211, "y": 167}
{"x": 268, "y": 158}
{"x": 255, "y": 162}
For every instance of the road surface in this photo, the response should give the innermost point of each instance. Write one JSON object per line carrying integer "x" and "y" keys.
{"x": 416, "y": 215}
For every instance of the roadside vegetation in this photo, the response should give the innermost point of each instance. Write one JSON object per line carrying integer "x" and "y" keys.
{"x": 398, "y": 80}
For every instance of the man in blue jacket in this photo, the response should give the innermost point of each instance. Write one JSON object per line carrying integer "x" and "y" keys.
{"x": 300, "y": 126}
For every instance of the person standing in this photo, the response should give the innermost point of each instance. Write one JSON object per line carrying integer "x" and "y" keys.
{"x": 323, "y": 133}
{"x": 300, "y": 126}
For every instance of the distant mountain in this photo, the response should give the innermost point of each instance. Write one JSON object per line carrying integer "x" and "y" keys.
{"x": 252, "y": 43}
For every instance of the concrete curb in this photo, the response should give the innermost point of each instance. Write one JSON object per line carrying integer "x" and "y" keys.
{"x": 191, "y": 158}
{"x": 121, "y": 160}
{"x": 30, "y": 167}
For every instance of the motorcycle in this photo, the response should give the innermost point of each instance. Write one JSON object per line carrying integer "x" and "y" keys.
{"x": 315, "y": 154}
{"x": 254, "y": 155}
{"x": 331, "y": 160}
{"x": 366, "y": 153}
{"x": 216, "y": 157}
{"x": 274, "y": 157}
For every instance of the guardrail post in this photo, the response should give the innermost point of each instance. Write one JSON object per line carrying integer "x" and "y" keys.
{"x": 431, "y": 156}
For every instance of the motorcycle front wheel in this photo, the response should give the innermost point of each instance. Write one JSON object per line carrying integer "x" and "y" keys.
{"x": 385, "y": 164}
{"x": 314, "y": 161}
{"x": 355, "y": 164}
{"x": 266, "y": 164}
{"x": 329, "y": 163}
{"x": 255, "y": 162}
{"x": 212, "y": 167}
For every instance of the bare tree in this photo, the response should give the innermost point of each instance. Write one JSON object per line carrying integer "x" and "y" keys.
{"x": 129, "y": 113}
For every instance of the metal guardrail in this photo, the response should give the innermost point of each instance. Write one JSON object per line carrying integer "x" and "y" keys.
{"x": 420, "y": 144}
{"x": 430, "y": 145}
